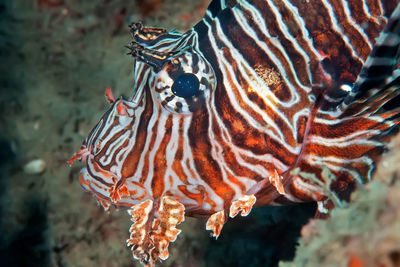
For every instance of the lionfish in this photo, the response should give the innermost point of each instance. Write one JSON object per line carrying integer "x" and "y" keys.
{"x": 260, "y": 103}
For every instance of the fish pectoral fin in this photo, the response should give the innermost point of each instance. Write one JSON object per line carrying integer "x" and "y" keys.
{"x": 105, "y": 204}
{"x": 277, "y": 181}
{"x": 243, "y": 205}
{"x": 118, "y": 190}
{"x": 153, "y": 228}
{"x": 216, "y": 222}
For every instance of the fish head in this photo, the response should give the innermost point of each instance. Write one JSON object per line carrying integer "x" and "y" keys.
{"x": 144, "y": 147}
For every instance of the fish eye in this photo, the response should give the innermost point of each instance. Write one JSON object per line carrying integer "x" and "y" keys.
{"x": 186, "y": 85}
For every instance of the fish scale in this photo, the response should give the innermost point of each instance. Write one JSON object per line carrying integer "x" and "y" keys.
{"x": 292, "y": 101}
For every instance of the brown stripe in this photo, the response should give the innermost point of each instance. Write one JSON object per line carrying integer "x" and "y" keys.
{"x": 205, "y": 164}
{"x": 160, "y": 161}
{"x": 132, "y": 159}
{"x": 177, "y": 163}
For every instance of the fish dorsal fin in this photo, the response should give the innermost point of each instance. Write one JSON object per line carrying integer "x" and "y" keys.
{"x": 217, "y": 6}
{"x": 348, "y": 140}
{"x": 380, "y": 72}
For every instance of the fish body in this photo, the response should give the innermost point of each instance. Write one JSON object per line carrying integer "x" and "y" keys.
{"x": 261, "y": 102}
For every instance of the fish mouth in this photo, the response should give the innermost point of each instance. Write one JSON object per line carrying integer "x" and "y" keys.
{"x": 107, "y": 188}
{"x": 99, "y": 193}
{"x": 91, "y": 184}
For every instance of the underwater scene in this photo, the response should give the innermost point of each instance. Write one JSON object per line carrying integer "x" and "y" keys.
{"x": 200, "y": 133}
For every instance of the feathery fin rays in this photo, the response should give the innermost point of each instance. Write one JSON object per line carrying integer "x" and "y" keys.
{"x": 349, "y": 140}
{"x": 291, "y": 106}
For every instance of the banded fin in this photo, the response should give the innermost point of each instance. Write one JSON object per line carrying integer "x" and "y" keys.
{"x": 349, "y": 141}
{"x": 379, "y": 77}
{"x": 216, "y": 7}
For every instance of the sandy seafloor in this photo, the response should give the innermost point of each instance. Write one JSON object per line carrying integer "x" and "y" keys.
{"x": 57, "y": 58}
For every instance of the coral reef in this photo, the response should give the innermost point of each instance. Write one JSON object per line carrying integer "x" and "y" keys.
{"x": 366, "y": 231}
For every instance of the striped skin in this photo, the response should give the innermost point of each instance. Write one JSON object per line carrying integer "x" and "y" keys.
{"x": 271, "y": 101}
{"x": 297, "y": 101}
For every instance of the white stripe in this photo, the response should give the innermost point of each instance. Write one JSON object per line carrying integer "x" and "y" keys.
{"x": 380, "y": 61}
{"x": 368, "y": 13}
{"x": 170, "y": 152}
{"x": 285, "y": 31}
{"x": 355, "y": 24}
{"x": 336, "y": 164}
{"x": 222, "y": 62}
{"x": 160, "y": 133}
{"x": 218, "y": 156}
{"x": 91, "y": 139}
{"x": 149, "y": 133}
{"x": 258, "y": 19}
{"x": 196, "y": 180}
{"x": 112, "y": 148}
{"x": 241, "y": 63}
{"x": 132, "y": 141}
{"x": 337, "y": 28}
{"x": 356, "y": 138}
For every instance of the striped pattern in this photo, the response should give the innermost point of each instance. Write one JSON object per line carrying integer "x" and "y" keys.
{"x": 273, "y": 74}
